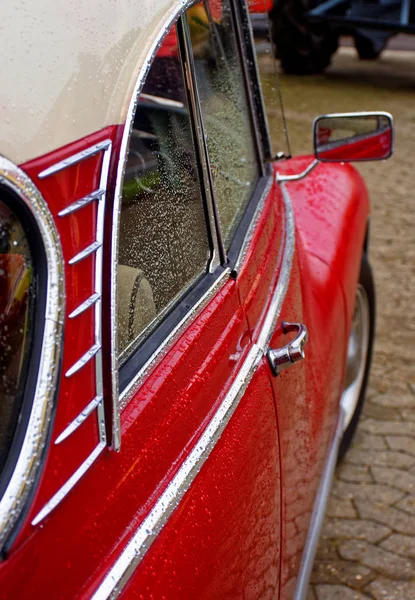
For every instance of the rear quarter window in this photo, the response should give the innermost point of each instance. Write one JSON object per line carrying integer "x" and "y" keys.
{"x": 17, "y": 308}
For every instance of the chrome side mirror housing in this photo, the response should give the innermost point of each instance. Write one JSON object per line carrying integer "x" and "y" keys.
{"x": 353, "y": 137}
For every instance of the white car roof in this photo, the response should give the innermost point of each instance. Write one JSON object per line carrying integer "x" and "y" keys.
{"x": 70, "y": 67}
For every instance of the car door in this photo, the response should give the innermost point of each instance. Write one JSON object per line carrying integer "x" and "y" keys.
{"x": 221, "y": 529}
{"x": 190, "y": 505}
{"x": 282, "y": 280}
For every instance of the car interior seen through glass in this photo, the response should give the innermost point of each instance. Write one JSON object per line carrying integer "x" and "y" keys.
{"x": 16, "y": 323}
{"x": 164, "y": 246}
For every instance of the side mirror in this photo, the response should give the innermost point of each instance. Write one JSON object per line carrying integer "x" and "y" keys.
{"x": 353, "y": 137}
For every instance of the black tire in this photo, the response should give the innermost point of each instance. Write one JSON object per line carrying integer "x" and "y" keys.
{"x": 304, "y": 48}
{"x": 367, "y": 282}
{"x": 368, "y": 49}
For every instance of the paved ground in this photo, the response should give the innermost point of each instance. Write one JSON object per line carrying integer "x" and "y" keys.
{"x": 367, "y": 549}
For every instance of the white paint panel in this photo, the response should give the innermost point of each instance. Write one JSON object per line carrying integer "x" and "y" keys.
{"x": 68, "y": 67}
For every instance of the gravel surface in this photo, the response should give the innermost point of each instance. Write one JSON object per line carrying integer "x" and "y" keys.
{"x": 367, "y": 547}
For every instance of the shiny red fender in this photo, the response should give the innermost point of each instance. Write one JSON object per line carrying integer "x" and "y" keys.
{"x": 332, "y": 209}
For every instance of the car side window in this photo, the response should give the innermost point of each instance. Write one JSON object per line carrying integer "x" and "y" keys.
{"x": 164, "y": 246}
{"x": 224, "y": 109}
{"x": 17, "y": 304}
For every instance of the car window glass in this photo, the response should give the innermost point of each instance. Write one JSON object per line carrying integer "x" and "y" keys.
{"x": 225, "y": 112}
{"x": 163, "y": 247}
{"x": 268, "y": 71}
{"x": 16, "y": 322}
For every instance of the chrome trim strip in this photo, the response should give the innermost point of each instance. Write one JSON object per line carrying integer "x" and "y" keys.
{"x": 29, "y": 461}
{"x": 85, "y": 252}
{"x": 85, "y": 305}
{"x": 202, "y": 154}
{"x": 254, "y": 222}
{"x": 163, "y": 101}
{"x": 81, "y": 202}
{"x": 141, "y": 75}
{"x": 99, "y": 385}
{"x": 60, "y": 494}
{"x": 284, "y": 275}
{"x": 317, "y": 517}
{"x": 135, "y": 383}
{"x": 75, "y": 158}
{"x": 141, "y": 541}
{"x": 96, "y": 349}
{"x": 83, "y": 360}
{"x": 126, "y": 563}
{"x": 311, "y": 166}
{"x": 73, "y": 426}
{"x": 215, "y": 228}
{"x": 251, "y": 81}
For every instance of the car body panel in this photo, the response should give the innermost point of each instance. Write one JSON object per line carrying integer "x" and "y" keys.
{"x": 228, "y": 522}
{"x": 172, "y": 404}
{"x": 76, "y": 231}
{"x": 121, "y": 488}
{"x": 260, "y": 260}
{"x": 307, "y": 421}
{"x": 315, "y": 280}
{"x": 332, "y": 210}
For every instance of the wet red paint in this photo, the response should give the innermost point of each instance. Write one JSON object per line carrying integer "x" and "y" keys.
{"x": 241, "y": 527}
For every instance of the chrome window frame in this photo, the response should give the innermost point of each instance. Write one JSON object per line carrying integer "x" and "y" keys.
{"x": 171, "y": 18}
{"x": 254, "y": 105}
{"x": 200, "y": 135}
{"x": 241, "y": 237}
{"x": 29, "y": 462}
{"x": 245, "y": 32}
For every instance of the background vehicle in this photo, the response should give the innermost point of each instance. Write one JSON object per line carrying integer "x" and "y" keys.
{"x": 306, "y": 32}
{"x": 196, "y": 318}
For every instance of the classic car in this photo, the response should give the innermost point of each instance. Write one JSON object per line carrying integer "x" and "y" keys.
{"x": 186, "y": 319}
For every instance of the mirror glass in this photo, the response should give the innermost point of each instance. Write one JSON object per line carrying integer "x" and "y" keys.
{"x": 356, "y": 137}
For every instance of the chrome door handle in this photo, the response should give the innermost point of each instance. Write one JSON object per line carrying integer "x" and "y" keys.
{"x": 291, "y": 353}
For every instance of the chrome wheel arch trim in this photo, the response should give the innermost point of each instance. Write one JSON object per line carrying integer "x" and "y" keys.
{"x": 122, "y": 160}
{"x": 135, "y": 550}
{"x": 29, "y": 461}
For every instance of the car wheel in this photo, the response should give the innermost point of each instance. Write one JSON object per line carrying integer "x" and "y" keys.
{"x": 359, "y": 354}
{"x": 368, "y": 49}
{"x": 304, "y": 48}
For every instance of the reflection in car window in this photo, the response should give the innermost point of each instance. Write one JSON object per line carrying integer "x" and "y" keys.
{"x": 163, "y": 245}
{"x": 225, "y": 111}
{"x": 16, "y": 323}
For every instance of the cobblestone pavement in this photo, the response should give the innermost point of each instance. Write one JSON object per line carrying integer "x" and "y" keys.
{"x": 367, "y": 547}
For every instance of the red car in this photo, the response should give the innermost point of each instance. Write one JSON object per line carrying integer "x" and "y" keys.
{"x": 186, "y": 323}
